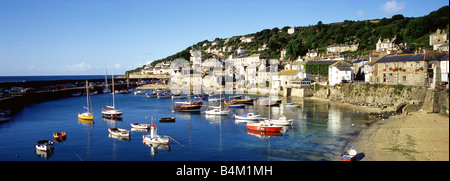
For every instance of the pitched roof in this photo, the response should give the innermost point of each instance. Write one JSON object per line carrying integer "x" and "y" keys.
{"x": 413, "y": 57}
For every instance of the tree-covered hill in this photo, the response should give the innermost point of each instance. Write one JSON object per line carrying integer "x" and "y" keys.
{"x": 414, "y": 31}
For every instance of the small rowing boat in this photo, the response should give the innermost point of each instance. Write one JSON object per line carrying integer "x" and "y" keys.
{"x": 140, "y": 125}
{"x": 119, "y": 132}
{"x": 59, "y": 136}
{"x": 172, "y": 119}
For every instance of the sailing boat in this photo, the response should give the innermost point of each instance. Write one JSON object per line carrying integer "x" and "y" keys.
{"x": 87, "y": 115}
{"x": 218, "y": 110}
{"x": 110, "y": 111}
{"x": 265, "y": 125}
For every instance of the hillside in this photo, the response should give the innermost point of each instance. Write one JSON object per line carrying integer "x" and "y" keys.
{"x": 414, "y": 31}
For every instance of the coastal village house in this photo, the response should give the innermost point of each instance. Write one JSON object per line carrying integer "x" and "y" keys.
{"x": 439, "y": 40}
{"x": 340, "y": 72}
{"x": 390, "y": 46}
{"x": 412, "y": 69}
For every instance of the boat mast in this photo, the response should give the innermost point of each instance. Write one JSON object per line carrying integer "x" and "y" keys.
{"x": 87, "y": 96}
{"x": 112, "y": 75}
{"x": 106, "y": 78}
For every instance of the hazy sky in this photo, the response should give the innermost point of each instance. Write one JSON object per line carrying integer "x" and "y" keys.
{"x": 80, "y": 37}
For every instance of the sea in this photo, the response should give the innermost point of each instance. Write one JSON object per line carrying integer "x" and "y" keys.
{"x": 320, "y": 132}
{"x": 51, "y": 77}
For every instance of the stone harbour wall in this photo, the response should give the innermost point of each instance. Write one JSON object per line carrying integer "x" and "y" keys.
{"x": 402, "y": 98}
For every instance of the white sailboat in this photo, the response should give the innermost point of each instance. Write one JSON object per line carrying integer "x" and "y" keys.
{"x": 88, "y": 115}
{"x": 217, "y": 110}
{"x": 111, "y": 111}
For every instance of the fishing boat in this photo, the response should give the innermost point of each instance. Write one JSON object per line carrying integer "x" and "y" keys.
{"x": 248, "y": 117}
{"x": 119, "y": 132}
{"x": 172, "y": 119}
{"x": 88, "y": 115}
{"x": 349, "y": 155}
{"x": 110, "y": 111}
{"x": 292, "y": 104}
{"x": 43, "y": 145}
{"x": 140, "y": 125}
{"x": 59, "y": 136}
{"x": 282, "y": 121}
{"x": 153, "y": 137}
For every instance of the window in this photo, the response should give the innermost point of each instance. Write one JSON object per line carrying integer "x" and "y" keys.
{"x": 404, "y": 78}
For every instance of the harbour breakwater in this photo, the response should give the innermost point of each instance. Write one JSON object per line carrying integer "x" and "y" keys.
{"x": 17, "y": 100}
{"x": 400, "y": 98}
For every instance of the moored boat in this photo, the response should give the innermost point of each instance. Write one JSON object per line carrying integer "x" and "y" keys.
{"x": 153, "y": 137}
{"x": 88, "y": 115}
{"x": 43, "y": 145}
{"x": 292, "y": 104}
{"x": 61, "y": 136}
{"x": 349, "y": 155}
{"x": 188, "y": 106}
{"x": 248, "y": 117}
{"x": 140, "y": 125}
{"x": 217, "y": 111}
{"x": 264, "y": 126}
{"x": 172, "y": 119}
{"x": 119, "y": 132}
{"x": 282, "y": 121}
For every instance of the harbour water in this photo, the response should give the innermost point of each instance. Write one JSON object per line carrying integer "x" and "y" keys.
{"x": 319, "y": 132}
{"x": 51, "y": 77}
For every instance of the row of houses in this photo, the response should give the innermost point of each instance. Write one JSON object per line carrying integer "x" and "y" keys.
{"x": 247, "y": 71}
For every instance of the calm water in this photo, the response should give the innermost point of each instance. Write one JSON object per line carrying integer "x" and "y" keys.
{"x": 319, "y": 132}
{"x": 51, "y": 77}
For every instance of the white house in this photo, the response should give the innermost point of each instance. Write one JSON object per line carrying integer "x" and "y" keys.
{"x": 339, "y": 72}
{"x": 246, "y": 39}
{"x": 292, "y": 30}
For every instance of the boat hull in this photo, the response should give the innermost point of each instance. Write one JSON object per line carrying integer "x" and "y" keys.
{"x": 258, "y": 127}
{"x": 119, "y": 132}
{"x": 155, "y": 140}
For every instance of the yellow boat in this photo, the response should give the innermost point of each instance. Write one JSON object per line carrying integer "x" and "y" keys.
{"x": 86, "y": 115}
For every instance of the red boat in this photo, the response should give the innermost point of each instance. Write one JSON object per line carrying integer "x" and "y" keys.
{"x": 188, "y": 106}
{"x": 264, "y": 126}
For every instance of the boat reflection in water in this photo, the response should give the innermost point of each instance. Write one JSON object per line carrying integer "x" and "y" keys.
{"x": 154, "y": 147}
{"x": 44, "y": 154}
{"x": 117, "y": 137}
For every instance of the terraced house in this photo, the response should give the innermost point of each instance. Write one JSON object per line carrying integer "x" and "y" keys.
{"x": 413, "y": 69}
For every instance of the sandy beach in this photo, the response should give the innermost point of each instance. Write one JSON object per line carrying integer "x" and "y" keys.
{"x": 416, "y": 136}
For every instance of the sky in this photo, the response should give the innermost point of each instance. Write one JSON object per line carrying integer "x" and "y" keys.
{"x": 80, "y": 37}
